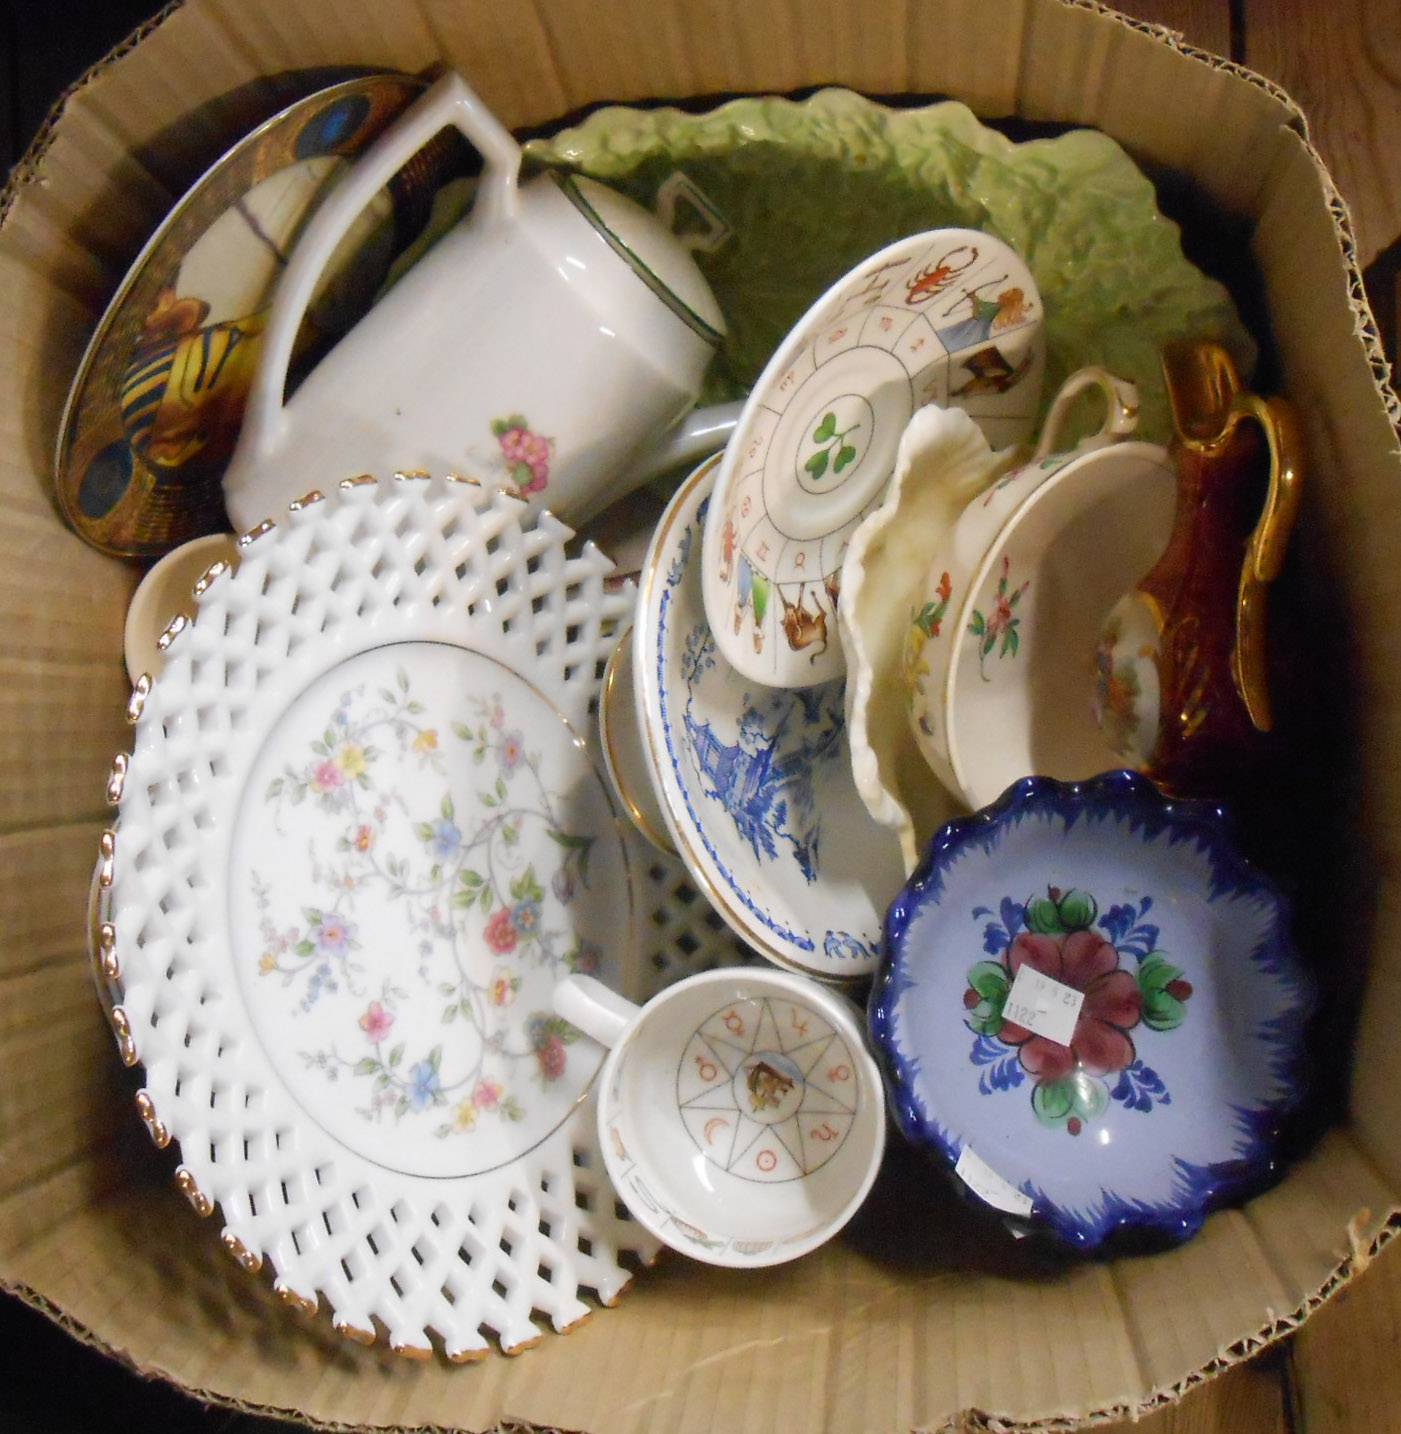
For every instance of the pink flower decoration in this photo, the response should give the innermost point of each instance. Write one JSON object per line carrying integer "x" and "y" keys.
{"x": 528, "y": 455}
{"x": 552, "y": 1057}
{"x": 1112, "y": 1006}
{"x": 326, "y": 777}
{"x": 334, "y": 935}
{"x": 487, "y": 1095}
{"x": 511, "y": 750}
{"x": 376, "y": 1023}
{"x": 500, "y": 933}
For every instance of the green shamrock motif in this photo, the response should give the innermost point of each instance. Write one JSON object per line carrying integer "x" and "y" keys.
{"x": 833, "y": 448}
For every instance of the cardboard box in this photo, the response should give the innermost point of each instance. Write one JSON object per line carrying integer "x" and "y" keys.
{"x": 869, "y": 1334}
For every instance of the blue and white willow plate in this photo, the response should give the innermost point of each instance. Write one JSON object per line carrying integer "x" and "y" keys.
{"x": 1186, "y": 1054}
{"x": 755, "y": 782}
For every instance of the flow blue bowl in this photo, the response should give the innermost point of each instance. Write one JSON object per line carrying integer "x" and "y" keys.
{"x": 1164, "y": 1098}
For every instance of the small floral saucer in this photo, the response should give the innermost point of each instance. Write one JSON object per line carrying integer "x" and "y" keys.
{"x": 755, "y": 782}
{"x": 950, "y": 316}
{"x": 362, "y": 834}
{"x": 1092, "y": 1008}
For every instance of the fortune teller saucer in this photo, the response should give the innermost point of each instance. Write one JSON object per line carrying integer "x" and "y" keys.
{"x": 755, "y": 782}
{"x": 156, "y": 404}
{"x": 949, "y": 317}
{"x": 362, "y": 833}
{"x": 1092, "y": 1008}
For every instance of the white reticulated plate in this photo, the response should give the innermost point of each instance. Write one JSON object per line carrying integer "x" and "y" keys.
{"x": 755, "y": 782}
{"x": 950, "y": 317}
{"x": 362, "y": 832}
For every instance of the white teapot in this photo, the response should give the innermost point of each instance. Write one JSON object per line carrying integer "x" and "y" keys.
{"x": 548, "y": 341}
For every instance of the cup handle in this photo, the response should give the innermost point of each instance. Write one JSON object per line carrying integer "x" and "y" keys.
{"x": 449, "y": 101}
{"x": 596, "y": 1010}
{"x": 1264, "y": 554}
{"x": 1120, "y": 417}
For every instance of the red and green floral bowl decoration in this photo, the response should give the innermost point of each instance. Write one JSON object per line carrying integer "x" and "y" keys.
{"x": 1091, "y": 1006}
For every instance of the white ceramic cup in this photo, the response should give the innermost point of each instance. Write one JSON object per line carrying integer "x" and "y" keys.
{"x": 742, "y": 1118}
{"x": 1016, "y": 590}
{"x": 553, "y": 342}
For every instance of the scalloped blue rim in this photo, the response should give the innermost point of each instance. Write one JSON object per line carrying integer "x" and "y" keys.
{"x": 1127, "y": 795}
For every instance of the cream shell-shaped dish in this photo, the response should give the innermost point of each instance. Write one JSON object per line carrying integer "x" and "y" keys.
{"x": 943, "y": 462}
{"x": 946, "y": 317}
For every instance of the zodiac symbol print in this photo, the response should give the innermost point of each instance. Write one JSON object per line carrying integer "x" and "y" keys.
{"x": 766, "y": 1089}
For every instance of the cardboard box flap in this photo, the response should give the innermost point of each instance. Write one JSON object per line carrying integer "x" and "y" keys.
{"x": 1127, "y": 82}
{"x": 693, "y": 1350}
{"x": 45, "y": 701}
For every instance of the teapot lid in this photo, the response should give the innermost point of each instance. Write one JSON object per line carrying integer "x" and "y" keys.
{"x": 658, "y": 257}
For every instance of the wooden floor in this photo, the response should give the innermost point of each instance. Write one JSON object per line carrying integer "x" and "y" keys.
{"x": 1341, "y": 60}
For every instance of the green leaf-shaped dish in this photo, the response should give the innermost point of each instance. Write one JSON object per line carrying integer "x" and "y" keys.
{"x": 811, "y": 187}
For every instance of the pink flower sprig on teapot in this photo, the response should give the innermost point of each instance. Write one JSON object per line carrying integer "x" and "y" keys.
{"x": 527, "y": 454}
{"x": 1063, "y": 936}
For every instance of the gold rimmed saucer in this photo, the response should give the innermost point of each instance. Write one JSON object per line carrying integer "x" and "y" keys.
{"x": 155, "y": 407}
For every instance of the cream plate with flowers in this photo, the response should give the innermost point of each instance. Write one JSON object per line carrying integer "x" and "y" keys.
{"x": 363, "y": 833}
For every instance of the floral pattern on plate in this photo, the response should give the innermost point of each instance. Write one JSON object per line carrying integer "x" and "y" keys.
{"x": 470, "y": 645}
{"x": 426, "y": 860}
{"x": 1188, "y": 1054}
{"x": 1063, "y": 936}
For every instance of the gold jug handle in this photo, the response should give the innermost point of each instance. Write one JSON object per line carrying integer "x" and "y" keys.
{"x": 1264, "y": 554}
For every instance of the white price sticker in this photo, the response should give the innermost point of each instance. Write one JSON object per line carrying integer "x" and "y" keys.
{"x": 984, "y": 1181}
{"x": 1044, "y": 1006}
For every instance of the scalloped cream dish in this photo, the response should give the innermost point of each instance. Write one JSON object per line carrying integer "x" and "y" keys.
{"x": 810, "y": 188}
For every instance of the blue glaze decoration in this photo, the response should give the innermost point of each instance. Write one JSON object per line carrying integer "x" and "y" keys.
{"x": 1191, "y": 1122}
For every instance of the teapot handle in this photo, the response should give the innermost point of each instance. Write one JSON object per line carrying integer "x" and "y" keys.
{"x": 449, "y": 101}
{"x": 678, "y": 189}
{"x": 1120, "y": 417}
{"x": 1264, "y": 554}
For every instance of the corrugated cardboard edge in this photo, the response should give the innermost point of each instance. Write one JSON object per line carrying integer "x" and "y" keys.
{"x": 1342, "y": 218}
{"x": 1359, "y": 1253}
{"x": 28, "y": 164}
{"x": 1356, "y": 1248}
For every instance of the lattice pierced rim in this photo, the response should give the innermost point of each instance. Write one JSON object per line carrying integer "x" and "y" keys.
{"x": 407, "y": 1257}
